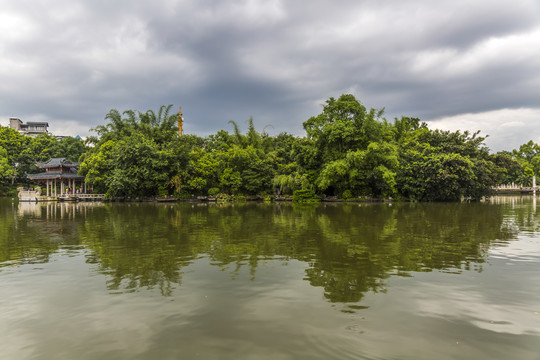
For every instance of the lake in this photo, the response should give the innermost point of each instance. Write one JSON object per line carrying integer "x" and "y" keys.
{"x": 270, "y": 281}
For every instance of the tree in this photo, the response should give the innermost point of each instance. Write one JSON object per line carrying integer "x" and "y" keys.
{"x": 365, "y": 172}
{"x": 345, "y": 125}
{"x": 16, "y": 146}
{"x": 6, "y": 169}
{"x": 69, "y": 147}
{"x": 139, "y": 168}
{"x": 510, "y": 170}
{"x": 97, "y": 166}
{"x": 160, "y": 128}
{"x": 406, "y": 125}
{"x": 528, "y": 157}
{"x": 443, "y": 166}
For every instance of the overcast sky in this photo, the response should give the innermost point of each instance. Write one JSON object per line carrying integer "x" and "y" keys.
{"x": 456, "y": 64}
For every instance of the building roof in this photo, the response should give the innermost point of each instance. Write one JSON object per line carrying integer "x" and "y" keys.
{"x": 61, "y": 168}
{"x": 57, "y": 162}
{"x": 37, "y": 123}
{"x": 55, "y": 175}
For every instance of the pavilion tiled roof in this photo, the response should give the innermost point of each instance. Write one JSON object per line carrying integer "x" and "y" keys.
{"x": 55, "y": 175}
{"x": 57, "y": 168}
{"x": 57, "y": 162}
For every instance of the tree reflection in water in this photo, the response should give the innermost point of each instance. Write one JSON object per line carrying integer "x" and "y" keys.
{"x": 350, "y": 249}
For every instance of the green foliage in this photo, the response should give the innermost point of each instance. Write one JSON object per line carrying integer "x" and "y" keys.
{"x": 508, "y": 170}
{"x": 287, "y": 184}
{"x": 139, "y": 167}
{"x": 445, "y": 166}
{"x": 136, "y": 154}
{"x": 22, "y": 152}
{"x": 98, "y": 166}
{"x": 348, "y": 150}
{"x": 345, "y": 125}
{"x": 406, "y": 125}
{"x": 367, "y": 172}
{"x": 306, "y": 196}
{"x": 6, "y": 169}
{"x": 346, "y": 195}
{"x": 162, "y": 192}
{"x": 160, "y": 128}
{"x": 521, "y": 164}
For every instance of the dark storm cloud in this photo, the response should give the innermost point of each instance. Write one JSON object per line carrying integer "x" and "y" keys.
{"x": 71, "y": 62}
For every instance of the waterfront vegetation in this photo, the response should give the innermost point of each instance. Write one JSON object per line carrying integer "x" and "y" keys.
{"x": 349, "y": 151}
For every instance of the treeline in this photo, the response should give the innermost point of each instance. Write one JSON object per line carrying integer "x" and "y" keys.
{"x": 19, "y": 153}
{"x": 349, "y": 151}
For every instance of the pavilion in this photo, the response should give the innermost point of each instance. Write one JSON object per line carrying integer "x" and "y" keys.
{"x": 60, "y": 176}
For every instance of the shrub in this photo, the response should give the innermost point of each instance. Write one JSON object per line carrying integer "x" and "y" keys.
{"x": 305, "y": 196}
{"x": 346, "y": 195}
{"x": 162, "y": 192}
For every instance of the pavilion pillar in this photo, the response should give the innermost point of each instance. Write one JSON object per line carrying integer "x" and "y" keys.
{"x": 55, "y": 187}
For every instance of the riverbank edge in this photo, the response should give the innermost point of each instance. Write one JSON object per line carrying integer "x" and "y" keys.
{"x": 259, "y": 198}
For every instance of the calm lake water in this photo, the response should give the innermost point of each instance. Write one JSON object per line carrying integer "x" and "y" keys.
{"x": 264, "y": 281}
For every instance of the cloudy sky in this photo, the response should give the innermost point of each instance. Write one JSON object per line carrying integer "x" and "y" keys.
{"x": 456, "y": 64}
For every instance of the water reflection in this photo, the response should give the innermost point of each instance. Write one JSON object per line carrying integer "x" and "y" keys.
{"x": 174, "y": 281}
{"x": 30, "y": 232}
{"x": 350, "y": 248}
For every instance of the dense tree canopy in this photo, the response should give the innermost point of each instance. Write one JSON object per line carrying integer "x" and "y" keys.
{"x": 349, "y": 151}
{"x": 19, "y": 153}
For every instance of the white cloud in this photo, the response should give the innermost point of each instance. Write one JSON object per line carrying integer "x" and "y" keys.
{"x": 505, "y": 51}
{"x": 507, "y": 128}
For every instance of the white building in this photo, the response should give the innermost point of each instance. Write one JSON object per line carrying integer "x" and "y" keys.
{"x": 30, "y": 128}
